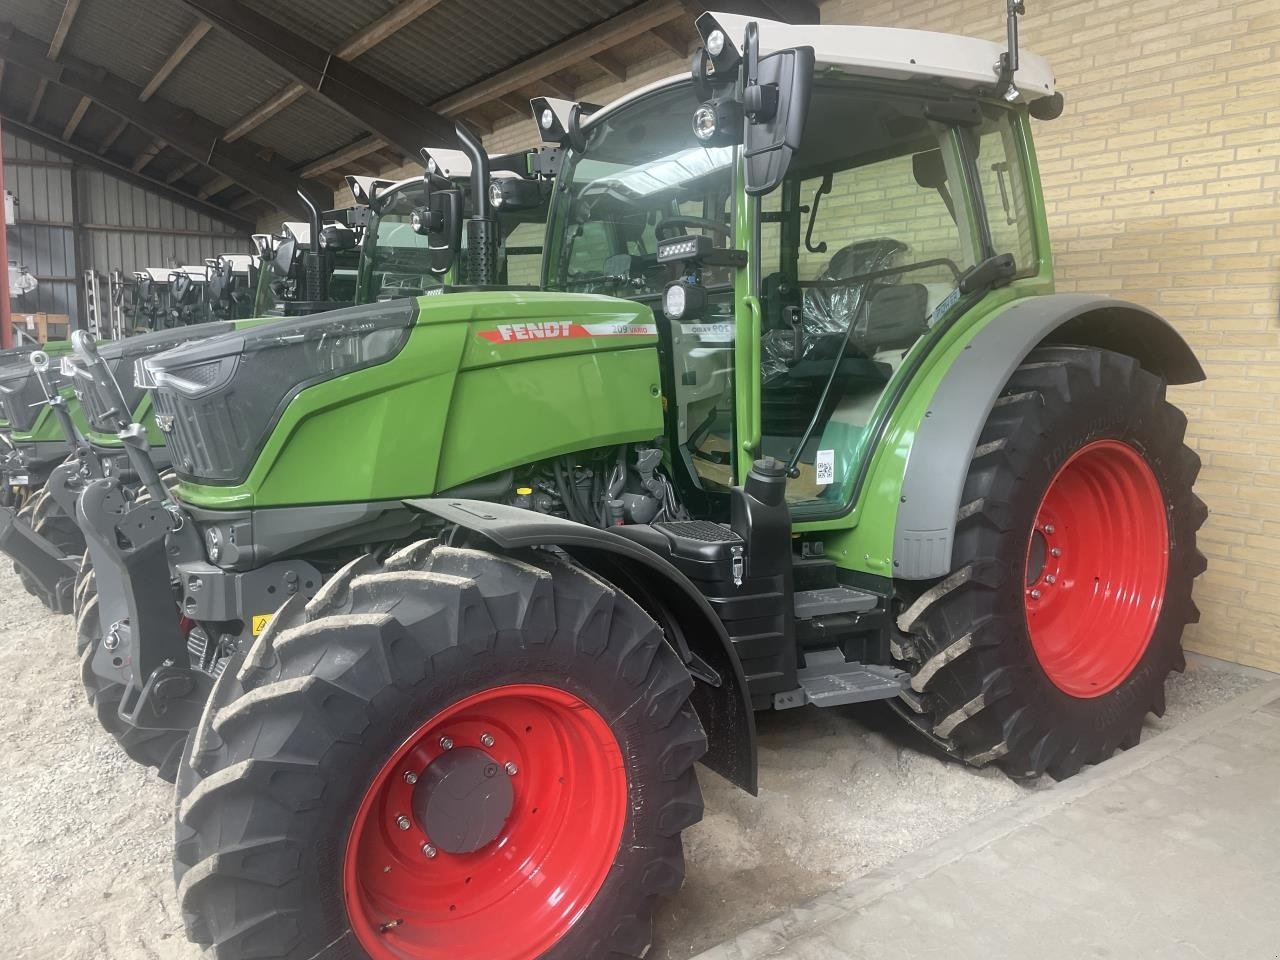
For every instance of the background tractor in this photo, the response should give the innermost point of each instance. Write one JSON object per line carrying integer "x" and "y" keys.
{"x": 475, "y": 577}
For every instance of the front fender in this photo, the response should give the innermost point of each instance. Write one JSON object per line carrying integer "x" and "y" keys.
{"x": 691, "y": 625}
{"x": 938, "y": 463}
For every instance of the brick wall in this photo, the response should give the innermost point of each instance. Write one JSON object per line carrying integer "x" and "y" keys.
{"x": 1161, "y": 180}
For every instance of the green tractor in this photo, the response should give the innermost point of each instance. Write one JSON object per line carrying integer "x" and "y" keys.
{"x": 476, "y": 577}
{"x": 67, "y": 422}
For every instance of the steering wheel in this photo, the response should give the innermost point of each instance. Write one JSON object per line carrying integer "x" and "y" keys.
{"x": 700, "y": 223}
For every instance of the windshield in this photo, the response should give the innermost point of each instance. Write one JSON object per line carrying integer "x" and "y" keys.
{"x": 397, "y": 256}
{"x": 642, "y": 178}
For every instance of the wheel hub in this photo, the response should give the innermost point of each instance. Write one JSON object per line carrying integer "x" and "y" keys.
{"x": 462, "y": 800}
{"x": 1097, "y": 560}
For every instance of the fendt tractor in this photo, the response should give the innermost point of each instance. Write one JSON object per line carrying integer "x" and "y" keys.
{"x": 62, "y": 413}
{"x": 455, "y": 588}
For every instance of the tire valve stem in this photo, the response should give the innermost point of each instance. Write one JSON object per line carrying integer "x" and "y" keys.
{"x": 389, "y": 925}
{"x": 402, "y": 822}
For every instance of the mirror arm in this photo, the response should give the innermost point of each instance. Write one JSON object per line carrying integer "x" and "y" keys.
{"x": 1008, "y": 64}
{"x": 822, "y": 191}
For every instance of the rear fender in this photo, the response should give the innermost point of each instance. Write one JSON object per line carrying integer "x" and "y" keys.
{"x": 691, "y": 626}
{"x": 944, "y": 442}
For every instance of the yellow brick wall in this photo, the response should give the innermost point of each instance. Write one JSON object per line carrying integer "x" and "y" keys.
{"x": 1162, "y": 184}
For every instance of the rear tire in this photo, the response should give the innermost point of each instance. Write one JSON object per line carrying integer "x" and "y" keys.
{"x": 992, "y": 681}
{"x": 287, "y": 806}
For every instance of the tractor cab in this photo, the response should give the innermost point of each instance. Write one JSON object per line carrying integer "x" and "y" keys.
{"x": 800, "y": 271}
{"x": 151, "y": 299}
{"x": 188, "y": 296}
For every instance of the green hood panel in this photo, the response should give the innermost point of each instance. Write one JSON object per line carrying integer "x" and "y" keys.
{"x": 486, "y": 380}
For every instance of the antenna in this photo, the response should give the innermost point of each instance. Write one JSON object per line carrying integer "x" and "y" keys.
{"x": 1008, "y": 64}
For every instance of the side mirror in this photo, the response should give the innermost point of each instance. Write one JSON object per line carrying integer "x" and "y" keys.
{"x": 759, "y": 101}
{"x": 282, "y": 258}
{"x": 440, "y": 221}
{"x": 516, "y": 193}
{"x": 334, "y": 237}
{"x": 775, "y": 101}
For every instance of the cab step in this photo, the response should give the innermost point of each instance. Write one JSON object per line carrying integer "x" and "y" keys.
{"x": 828, "y": 680}
{"x": 831, "y": 600}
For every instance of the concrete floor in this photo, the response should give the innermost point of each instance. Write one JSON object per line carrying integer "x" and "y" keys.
{"x": 85, "y": 834}
{"x": 1169, "y": 851}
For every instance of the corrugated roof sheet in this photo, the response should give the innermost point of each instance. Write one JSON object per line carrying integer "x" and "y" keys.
{"x": 132, "y": 37}
{"x": 222, "y": 80}
{"x": 308, "y": 129}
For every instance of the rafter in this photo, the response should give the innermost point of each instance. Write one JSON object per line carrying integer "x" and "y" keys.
{"x": 214, "y": 186}
{"x": 611, "y": 33}
{"x": 188, "y": 133}
{"x": 674, "y": 38}
{"x": 559, "y": 86}
{"x": 76, "y": 116}
{"x": 113, "y": 135}
{"x": 376, "y": 106}
{"x": 142, "y": 160}
{"x": 354, "y": 151}
{"x": 179, "y": 54}
{"x": 180, "y": 171}
{"x": 398, "y": 16}
{"x": 610, "y": 65}
{"x": 41, "y": 86}
{"x": 517, "y": 105}
{"x": 69, "y": 11}
{"x": 120, "y": 171}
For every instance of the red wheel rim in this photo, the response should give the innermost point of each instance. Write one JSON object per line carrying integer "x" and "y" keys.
{"x": 519, "y": 894}
{"x": 1096, "y": 568}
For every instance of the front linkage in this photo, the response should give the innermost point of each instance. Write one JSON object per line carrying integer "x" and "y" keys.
{"x": 143, "y": 650}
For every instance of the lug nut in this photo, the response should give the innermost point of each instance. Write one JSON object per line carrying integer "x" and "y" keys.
{"x": 402, "y": 822}
{"x": 1048, "y": 528}
{"x": 1051, "y": 579}
{"x": 512, "y": 769}
{"x": 446, "y": 743}
{"x": 1055, "y": 552}
{"x": 410, "y": 777}
{"x": 428, "y": 851}
{"x": 1035, "y": 594}
{"x": 486, "y": 739}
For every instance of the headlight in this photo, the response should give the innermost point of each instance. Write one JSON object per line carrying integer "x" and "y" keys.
{"x": 548, "y": 119}
{"x": 715, "y": 43}
{"x": 213, "y": 539}
{"x": 683, "y": 300}
{"x": 705, "y": 122}
{"x": 495, "y": 195}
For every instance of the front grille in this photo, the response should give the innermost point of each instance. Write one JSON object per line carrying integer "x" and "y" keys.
{"x": 206, "y": 438}
{"x": 22, "y": 397}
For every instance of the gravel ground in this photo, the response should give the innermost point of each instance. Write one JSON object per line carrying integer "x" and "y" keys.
{"x": 85, "y": 833}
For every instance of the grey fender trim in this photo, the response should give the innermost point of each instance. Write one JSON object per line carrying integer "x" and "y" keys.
{"x": 513, "y": 528}
{"x": 944, "y": 443}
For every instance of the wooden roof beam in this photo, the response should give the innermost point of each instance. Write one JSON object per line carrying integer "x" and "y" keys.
{"x": 675, "y": 38}
{"x": 342, "y": 157}
{"x": 69, "y": 11}
{"x": 214, "y": 186}
{"x": 152, "y": 151}
{"x": 610, "y": 64}
{"x": 180, "y": 171}
{"x": 41, "y": 86}
{"x": 113, "y": 135}
{"x": 76, "y": 116}
{"x": 376, "y": 106}
{"x": 179, "y": 54}
{"x": 599, "y": 39}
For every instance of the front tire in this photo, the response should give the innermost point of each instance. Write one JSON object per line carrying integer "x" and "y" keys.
{"x": 1074, "y": 558}
{"x": 46, "y": 518}
{"x": 310, "y": 812}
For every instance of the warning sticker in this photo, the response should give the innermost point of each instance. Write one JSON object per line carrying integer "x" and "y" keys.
{"x": 826, "y": 467}
{"x": 260, "y": 622}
